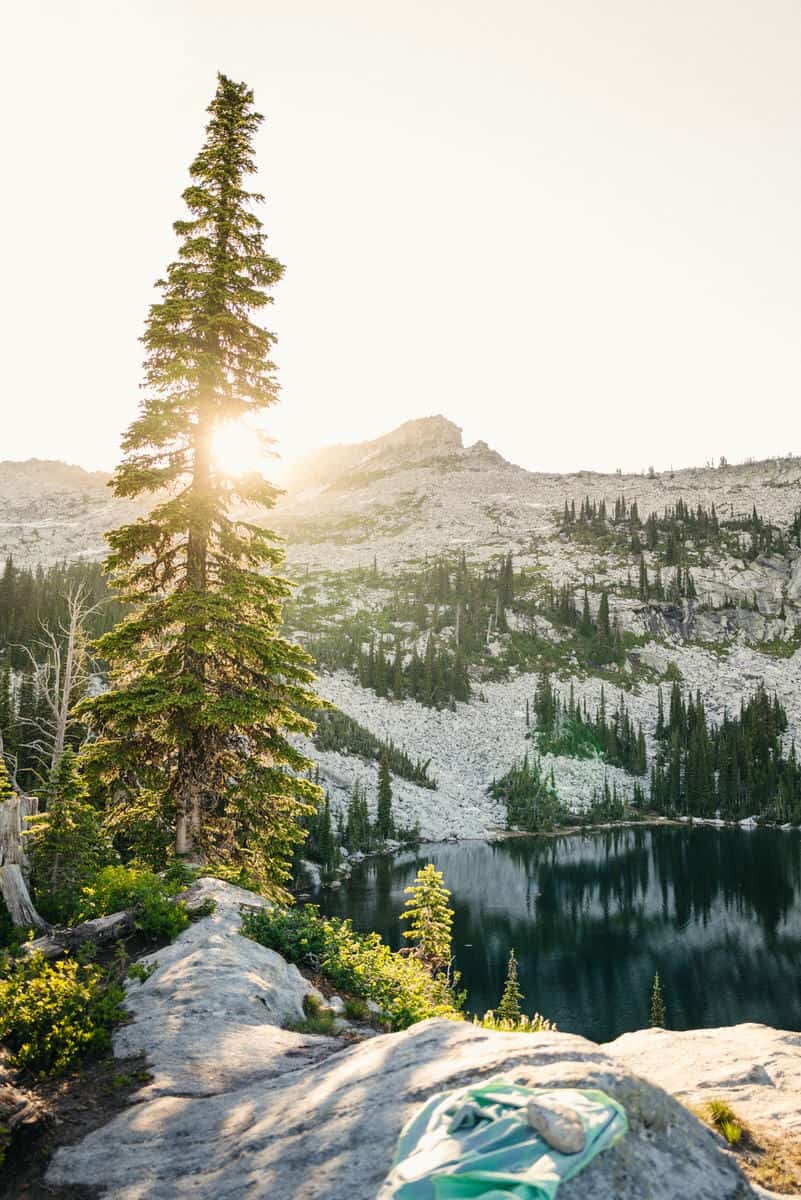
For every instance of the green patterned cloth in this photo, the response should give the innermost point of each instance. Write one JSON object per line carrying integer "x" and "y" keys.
{"x": 476, "y": 1141}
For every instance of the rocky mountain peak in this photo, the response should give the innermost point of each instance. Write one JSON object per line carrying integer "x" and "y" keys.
{"x": 424, "y": 433}
{"x": 411, "y": 443}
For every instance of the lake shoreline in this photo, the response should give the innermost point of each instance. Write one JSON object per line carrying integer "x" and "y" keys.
{"x": 652, "y": 821}
{"x": 495, "y": 836}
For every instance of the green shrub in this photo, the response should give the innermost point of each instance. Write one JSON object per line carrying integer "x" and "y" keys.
{"x": 358, "y": 963}
{"x": 118, "y": 888}
{"x": 11, "y": 936}
{"x": 142, "y": 971}
{"x": 724, "y": 1120}
{"x": 356, "y": 1009}
{"x": 52, "y": 1014}
{"x": 521, "y": 1024}
{"x": 318, "y": 1020}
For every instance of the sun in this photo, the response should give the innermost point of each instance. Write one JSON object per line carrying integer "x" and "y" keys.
{"x": 237, "y": 449}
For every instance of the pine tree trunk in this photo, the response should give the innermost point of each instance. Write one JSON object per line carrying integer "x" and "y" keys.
{"x": 14, "y": 861}
{"x": 190, "y": 759}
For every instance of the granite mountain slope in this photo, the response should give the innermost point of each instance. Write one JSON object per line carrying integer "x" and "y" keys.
{"x": 361, "y": 520}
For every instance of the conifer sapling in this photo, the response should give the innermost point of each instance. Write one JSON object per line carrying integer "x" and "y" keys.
{"x": 657, "y": 1014}
{"x": 509, "y": 1007}
{"x": 430, "y": 916}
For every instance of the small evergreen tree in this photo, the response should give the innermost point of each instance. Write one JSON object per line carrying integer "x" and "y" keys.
{"x": 430, "y": 916}
{"x": 385, "y": 826}
{"x": 68, "y": 846}
{"x": 322, "y": 846}
{"x": 509, "y": 1007}
{"x": 358, "y": 834}
{"x": 657, "y": 1013}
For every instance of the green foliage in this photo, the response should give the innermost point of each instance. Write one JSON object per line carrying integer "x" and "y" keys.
{"x": 520, "y": 1024}
{"x": 667, "y": 536}
{"x": 6, "y": 790}
{"x": 531, "y": 801}
{"x": 657, "y": 1014}
{"x": 437, "y": 679}
{"x": 204, "y": 693}
{"x": 30, "y": 599}
{"x": 68, "y": 846}
{"x": 430, "y": 917}
{"x": 52, "y": 1014}
{"x": 361, "y": 964}
{"x": 12, "y": 936}
{"x": 565, "y": 727}
{"x": 117, "y": 888}
{"x": 384, "y": 825}
{"x": 356, "y": 1009}
{"x": 142, "y": 971}
{"x": 335, "y": 730}
{"x": 321, "y": 845}
{"x": 597, "y": 640}
{"x": 738, "y": 768}
{"x": 722, "y": 1116}
{"x": 780, "y": 647}
{"x": 607, "y": 805}
{"x": 508, "y": 1009}
{"x": 384, "y": 627}
{"x": 358, "y": 832}
{"x": 318, "y": 1020}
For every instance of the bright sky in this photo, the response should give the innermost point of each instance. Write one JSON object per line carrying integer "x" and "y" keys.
{"x": 572, "y": 227}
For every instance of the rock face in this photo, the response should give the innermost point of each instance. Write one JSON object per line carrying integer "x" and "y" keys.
{"x": 345, "y": 467}
{"x": 240, "y": 1108}
{"x": 416, "y": 493}
{"x": 757, "y": 1070}
{"x": 208, "y": 1018}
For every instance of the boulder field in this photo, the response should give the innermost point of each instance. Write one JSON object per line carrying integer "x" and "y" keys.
{"x": 239, "y": 1107}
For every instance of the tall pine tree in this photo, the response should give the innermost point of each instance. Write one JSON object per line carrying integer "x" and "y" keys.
{"x": 203, "y": 690}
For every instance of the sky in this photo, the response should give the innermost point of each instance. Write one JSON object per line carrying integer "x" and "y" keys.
{"x": 572, "y": 228}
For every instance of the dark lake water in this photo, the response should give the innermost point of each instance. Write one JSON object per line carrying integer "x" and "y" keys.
{"x": 716, "y": 911}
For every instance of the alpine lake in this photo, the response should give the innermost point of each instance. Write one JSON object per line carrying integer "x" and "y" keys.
{"x": 593, "y": 916}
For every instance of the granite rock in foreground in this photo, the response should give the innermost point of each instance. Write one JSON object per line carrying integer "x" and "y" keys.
{"x": 240, "y": 1108}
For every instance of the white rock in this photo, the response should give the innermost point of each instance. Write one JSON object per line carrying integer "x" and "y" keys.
{"x": 328, "y": 1131}
{"x": 240, "y": 1108}
{"x": 756, "y": 1069}
{"x": 209, "y": 1017}
{"x": 558, "y": 1125}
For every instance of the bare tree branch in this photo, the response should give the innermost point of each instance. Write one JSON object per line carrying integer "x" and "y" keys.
{"x": 61, "y": 667}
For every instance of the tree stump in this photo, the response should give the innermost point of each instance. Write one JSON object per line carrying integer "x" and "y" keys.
{"x": 14, "y": 814}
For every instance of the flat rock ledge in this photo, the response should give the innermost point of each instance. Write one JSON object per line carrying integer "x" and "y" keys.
{"x": 240, "y": 1108}
{"x": 756, "y": 1069}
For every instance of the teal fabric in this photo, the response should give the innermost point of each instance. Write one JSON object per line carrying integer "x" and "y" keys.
{"x": 476, "y": 1142}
